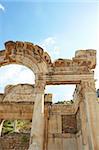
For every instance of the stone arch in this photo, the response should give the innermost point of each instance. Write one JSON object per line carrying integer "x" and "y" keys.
{"x": 33, "y": 57}
{"x": 27, "y": 54}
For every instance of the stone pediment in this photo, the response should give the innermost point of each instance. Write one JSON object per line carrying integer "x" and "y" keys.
{"x": 19, "y": 93}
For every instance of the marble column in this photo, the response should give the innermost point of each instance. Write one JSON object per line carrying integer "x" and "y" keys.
{"x": 37, "y": 131}
{"x": 84, "y": 129}
{"x": 89, "y": 93}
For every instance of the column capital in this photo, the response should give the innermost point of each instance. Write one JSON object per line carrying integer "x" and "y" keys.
{"x": 40, "y": 86}
{"x": 88, "y": 85}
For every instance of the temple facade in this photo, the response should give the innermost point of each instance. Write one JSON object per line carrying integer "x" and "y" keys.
{"x": 54, "y": 126}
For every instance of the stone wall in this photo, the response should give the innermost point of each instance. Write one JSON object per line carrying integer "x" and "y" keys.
{"x": 62, "y": 128}
{"x": 15, "y": 141}
{"x": 69, "y": 124}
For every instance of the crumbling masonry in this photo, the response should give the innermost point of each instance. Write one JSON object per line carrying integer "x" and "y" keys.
{"x": 54, "y": 126}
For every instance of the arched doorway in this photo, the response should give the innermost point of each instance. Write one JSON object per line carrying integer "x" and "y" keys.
{"x": 33, "y": 57}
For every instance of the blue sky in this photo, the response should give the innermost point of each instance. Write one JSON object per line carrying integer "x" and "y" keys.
{"x": 60, "y": 27}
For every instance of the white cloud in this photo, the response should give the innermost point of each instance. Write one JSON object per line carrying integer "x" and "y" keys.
{"x": 50, "y": 45}
{"x": 15, "y": 74}
{"x": 2, "y": 7}
{"x": 48, "y": 41}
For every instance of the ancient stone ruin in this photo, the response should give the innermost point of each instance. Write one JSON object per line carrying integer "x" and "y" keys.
{"x": 54, "y": 126}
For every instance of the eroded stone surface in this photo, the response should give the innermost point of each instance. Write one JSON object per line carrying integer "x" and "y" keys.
{"x": 49, "y": 131}
{"x": 19, "y": 93}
